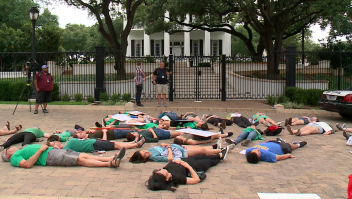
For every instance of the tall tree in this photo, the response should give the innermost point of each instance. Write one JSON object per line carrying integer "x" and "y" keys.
{"x": 105, "y": 11}
{"x": 274, "y": 20}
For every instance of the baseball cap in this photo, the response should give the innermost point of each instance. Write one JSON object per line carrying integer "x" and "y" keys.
{"x": 45, "y": 66}
{"x": 165, "y": 118}
{"x": 3, "y": 156}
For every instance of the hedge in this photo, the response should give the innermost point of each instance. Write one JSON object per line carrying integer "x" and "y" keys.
{"x": 301, "y": 96}
{"x": 11, "y": 91}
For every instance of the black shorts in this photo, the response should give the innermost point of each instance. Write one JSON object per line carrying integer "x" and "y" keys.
{"x": 104, "y": 145}
{"x": 286, "y": 148}
{"x": 44, "y": 97}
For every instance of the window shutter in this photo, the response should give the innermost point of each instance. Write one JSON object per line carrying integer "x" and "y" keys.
{"x": 220, "y": 47}
{"x": 142, "y": 47}
{"x": 190, "y": 44}
{"x": 211, "y": 47}
{"x": 151, "y": 47}
{"x": 201, "y": 47}
{"x": 162, "y": 47}
{"x": 132, "y": 48}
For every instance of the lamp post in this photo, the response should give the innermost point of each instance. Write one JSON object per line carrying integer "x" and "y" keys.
{"x": 33, "y": 15}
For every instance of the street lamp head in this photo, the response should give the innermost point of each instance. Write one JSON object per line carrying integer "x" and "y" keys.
{"x": 33, "y": 13}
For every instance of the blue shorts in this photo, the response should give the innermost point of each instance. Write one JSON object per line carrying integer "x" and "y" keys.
{"x": 305, "y": 120}
{"x": 162, "y": 134}
{"x": 321, "y": 130}
{"x": 119, "y": 133}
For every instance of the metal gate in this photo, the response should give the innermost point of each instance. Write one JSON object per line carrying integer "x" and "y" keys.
{"x": 196, "y": 77}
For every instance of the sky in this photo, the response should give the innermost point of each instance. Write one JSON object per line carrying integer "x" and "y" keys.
{"x": 75, "y": 16}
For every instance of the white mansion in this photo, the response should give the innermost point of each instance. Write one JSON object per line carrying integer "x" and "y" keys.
{"x": 194, "y": 43}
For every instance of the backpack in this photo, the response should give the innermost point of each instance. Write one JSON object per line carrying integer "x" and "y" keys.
{"x": 273, "y": 130}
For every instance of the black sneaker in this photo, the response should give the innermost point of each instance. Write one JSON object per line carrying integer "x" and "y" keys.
{"x": 224, "y": 152}
{"x": 229, "y": 134}
{"x": 230, "y": 141}
{"x": 289, "y": 122}
{"x": 221, "y": 130}
{"x": 79, "y": 127}
{"x": 215, "y": 146}
{"x": 339, "y": 127}
{"x": 286, "y": 122}
{"x": 35, "y": 111}
{"x": 246, "y": 142}
{"x": 97, "y": 124}
{"x": 301, "y": 143}
{"x": 141, "y": 105}
{"x": 280, "y": 140}
{"x": 346, "y": 135}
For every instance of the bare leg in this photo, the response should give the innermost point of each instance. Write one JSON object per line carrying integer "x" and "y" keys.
{"x": 36, "y": 106}
{"x": 296, "y": 121}
{"x": 7, "y": 132}
{"x": 175, "y": 133}
{"x": 164, "y": 98}
{"x": 45, "y": 105}
{"x": 309, "y": 130}
{"x": 99, "y": 158}
{"x": 159, "y": 98}
{"x": 127, "y": 145}
{"x": 348, "y": 130}
{"x": 46, "y": 135}
{"x": 197, "y": 150}
{"x": 93, "y": 163}
{"x": 271, "y": 121}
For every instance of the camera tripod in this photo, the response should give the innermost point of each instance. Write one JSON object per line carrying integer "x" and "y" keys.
{"x": 30, "y": 85}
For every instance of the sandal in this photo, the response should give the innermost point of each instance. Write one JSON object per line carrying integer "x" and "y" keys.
{"x": 118, "y": 157}
{"x": 8, "y": 125}
{"x": 298, "y": 132}
{"x": 19, "y": 127}
{"x": 139, "y": 145}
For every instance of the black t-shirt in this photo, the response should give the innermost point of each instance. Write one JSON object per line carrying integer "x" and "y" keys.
{"x": 178, "y": 172}
{"x": 161, "y": 76}
{"x": 99, "y": 134}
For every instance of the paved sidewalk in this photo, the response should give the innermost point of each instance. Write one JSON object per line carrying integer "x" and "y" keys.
{"x": 321, "y": 167}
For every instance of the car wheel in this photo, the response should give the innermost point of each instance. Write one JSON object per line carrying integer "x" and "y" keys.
{"x": 346, "y": 115}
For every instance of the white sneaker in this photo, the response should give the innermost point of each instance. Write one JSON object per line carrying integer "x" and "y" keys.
{"x": 219, "y": 143}
{"x": 349, "y": 141}
{"x": 203, "y": 117}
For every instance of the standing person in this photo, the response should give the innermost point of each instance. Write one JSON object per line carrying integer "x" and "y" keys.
{"x": 140, "y": 77}
{"x": 44, "y": 85}
{"x": 161, "y": 74}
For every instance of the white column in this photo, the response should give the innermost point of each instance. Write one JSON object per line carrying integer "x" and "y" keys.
{"x": 186, "y": 38}
{"x": 146, "y": 44}
{"x": 206, "y": 43}
{"x": 166, "y": 38}
{"x": 226, "y": 49}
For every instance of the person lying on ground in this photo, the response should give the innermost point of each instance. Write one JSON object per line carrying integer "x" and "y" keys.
{"x": 27, "y": 136}
{"x": 248, "y": 134}
{"x": 6, "y": 130}
{"x": 185, "y": 171}
{"x": 240, "y": 120}
{"x": 191, "y": 116}
{"x": 186, "y": 139}
{"x": 217, "y": 121}
{"x": 263, "y": 119}
{"x": 170, "y": 114}
{"x": 167, "y": 123}
{"x": 43, "y": 155}
{"x": 89, "y": 145}
{"x": 312, "y": 128}
{"x": 300, "y": 120}
{"x": 153, "y": 135}
{"x": 111, "y": 134}
{"x": 272, "y": 151}
{"x": 167, "y": 152}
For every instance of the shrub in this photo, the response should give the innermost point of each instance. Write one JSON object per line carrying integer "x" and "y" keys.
{"x": 115, "y": 97}
{"x": 290, "y": 105}
{"x": 55, "y": 93}
{"x": 314, "y": 96}
{"x": 271, "y": 100}
{"x": 16, "y": 89}
{"x": 282, "y": 99}
{"x": 126, "y": 97}
{"x": 104, "y": 97}
{"x": 90, "y": 99}
{"x": 5, "y": 91}
{"x": 78, "y": 97}
{"x": 149, "y": 59}
{"x": 300, "y": 96}
{"x": 65, "y": 97}
{"x": 289, "y": 91}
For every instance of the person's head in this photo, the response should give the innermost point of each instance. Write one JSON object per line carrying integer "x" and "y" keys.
{"x": 161, "y": 180}
{"x": 140, "y": 156}
{"x": 53, "y": 138}
{"x": 45, "y": 68}
{"x": 163, "y": 126}
{"x": 202, "y": 125}
{"x": 253, "y": 156}
{"x": 80, "y": 134}
{"x": 7, "y": 153}
{"x": 179, "y": 140}
{"x": 161, "y": 65}
{"x": 315, "y": 119}
{"x": 131, "y": 136}
{"x": 139, "y": 63}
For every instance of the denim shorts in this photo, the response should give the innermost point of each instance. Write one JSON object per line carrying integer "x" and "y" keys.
{"x": 162, "y": 134}
{"x": 321, "y": 130}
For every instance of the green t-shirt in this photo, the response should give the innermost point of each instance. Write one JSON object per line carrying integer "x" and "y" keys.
{"x": 64, "y": 135}
{"x": 192, "y": 125}
{"x": 79, "y": 145}
{"x": 27, "y": 152}
{"x": 146, "y": 126}
{"x": 112, "y": 120}
{"x": 249, "y": 129}
{"x": 37, "y": 132}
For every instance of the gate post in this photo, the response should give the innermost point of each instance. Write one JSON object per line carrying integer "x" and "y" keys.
{"x": 99, "y": 72}
{"x": 291, "y": 66}
{"x": 339, "y": 72}
{"x": 171, "y": 90}
{"x": 223, "y": 77}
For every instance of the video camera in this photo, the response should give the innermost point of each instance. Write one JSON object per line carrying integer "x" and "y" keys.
{"x": 29, "y": 67}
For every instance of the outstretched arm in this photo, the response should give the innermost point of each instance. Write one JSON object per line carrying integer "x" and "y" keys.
{"x": 284, "y": 157}
{"x": 31, "y": 161}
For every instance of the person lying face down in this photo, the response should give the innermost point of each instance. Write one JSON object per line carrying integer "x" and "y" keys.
{"x": 44, "y": 155}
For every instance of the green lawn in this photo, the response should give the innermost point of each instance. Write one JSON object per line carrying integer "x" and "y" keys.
{"x": 52, "y": 103}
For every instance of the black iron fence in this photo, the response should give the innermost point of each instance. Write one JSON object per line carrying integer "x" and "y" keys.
{"x": 205, "y": 77}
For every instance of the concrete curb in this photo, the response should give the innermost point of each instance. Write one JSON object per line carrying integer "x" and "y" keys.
{"x": 130, "y": 106}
